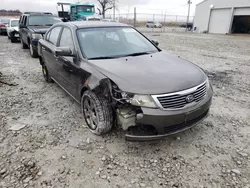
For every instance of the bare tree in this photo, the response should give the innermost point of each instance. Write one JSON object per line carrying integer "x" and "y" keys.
{"x": 105, "y": 5}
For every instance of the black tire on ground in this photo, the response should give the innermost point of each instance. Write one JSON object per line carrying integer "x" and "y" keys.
{"x": 97, "y": 113}
{"x": 12, "y": 39}
{"x": 46, "y": 74}
{"x": 24, "y": 46}
{"x": 33, "y": 53}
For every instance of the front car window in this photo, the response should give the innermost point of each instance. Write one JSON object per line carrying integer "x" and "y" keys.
{"x": 83, "y": 8}
{"x": 54, "y": 34}
{"x": 113, "y": 42}
{"x": 14, "y": 23}
{"x": 43, "y": 20}
{"x": 73, "y": 9}
{"x": 66, "y": 39}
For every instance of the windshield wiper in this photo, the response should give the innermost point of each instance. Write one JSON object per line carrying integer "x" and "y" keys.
{"x": 104, "y": 57}
{"x": 48, "y": 24}
{"x": 35, "y": 25}
{"x": 139, "y": 53}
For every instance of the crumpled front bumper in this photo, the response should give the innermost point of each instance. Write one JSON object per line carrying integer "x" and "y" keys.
{"x": 173, "y": 121}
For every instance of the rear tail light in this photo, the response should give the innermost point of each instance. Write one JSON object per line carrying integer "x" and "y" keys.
{"x": 2, "y": 25}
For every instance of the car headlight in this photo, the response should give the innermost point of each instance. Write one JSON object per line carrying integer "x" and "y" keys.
{"x": 143, "y": 101}
{"x": 36, "y": 36}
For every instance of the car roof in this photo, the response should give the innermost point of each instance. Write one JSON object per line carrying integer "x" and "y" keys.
{"x": 91, "y": 24}
{"x": 38, "y": 13}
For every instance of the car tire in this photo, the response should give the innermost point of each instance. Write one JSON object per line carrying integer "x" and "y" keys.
{"x": 98, "y": 107}
{"x": 24, "y": 46}
{"x": 12, "y": 39}
{"x": 46, "y": 74}
{"x": 33, "y": 53}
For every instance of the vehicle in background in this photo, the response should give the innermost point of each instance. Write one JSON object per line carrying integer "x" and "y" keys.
{"x": 3, "y": 23}
{"x": 102, "y": 65}
{"x": 13, "y": 30}
{"x": 189, "y": 26}
{"x": 109, "y": 20}
{"x": 151, "y": 24}
{"x": 32, "y": 27}
{"x": 78, "y": 12}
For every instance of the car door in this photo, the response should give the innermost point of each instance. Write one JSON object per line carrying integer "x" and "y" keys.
{"x": 48, "y": 51}
{"x": 24, "y": 30}
{"x": 68, "y": 66}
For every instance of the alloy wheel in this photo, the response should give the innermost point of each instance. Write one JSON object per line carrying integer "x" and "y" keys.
{"x": 90, "y": 114}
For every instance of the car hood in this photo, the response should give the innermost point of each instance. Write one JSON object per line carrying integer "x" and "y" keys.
{"x": 157, "y": 73}
{"x": 40, "y": 29}
{"x": 15, "y": 28}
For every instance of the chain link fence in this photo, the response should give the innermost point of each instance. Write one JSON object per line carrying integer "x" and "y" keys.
{"x": 164, "y": 23}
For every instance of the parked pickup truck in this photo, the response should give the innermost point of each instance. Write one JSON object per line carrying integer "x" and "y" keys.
{"x": 189, "y": 26}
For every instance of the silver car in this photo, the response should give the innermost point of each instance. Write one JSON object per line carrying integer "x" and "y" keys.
{"x": 151, "y": 24}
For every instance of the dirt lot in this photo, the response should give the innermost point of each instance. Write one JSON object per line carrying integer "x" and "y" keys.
{"x": 54, "y": 149}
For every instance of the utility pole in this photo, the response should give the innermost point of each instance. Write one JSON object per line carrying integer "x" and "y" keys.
{"x": 114, "y": 10}
{"x": 189, "y": 3}
{"x": 134, "y": 16}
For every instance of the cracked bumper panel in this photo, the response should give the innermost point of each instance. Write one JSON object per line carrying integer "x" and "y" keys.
{"x": 168, "y": 122}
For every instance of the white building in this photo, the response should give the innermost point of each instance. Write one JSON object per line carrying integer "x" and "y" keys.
{"x": 223, "y": 16}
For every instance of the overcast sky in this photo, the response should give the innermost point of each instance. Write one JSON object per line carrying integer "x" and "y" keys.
{"x": 172, "y": 7}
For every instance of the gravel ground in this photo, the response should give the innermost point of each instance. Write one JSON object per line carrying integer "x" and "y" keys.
{"x": 44, "y": 143}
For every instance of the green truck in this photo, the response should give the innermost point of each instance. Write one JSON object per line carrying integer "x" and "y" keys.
{"x": 78, "y": 12}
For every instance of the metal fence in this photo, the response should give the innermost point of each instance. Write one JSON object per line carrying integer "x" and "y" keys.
{"x": 169, "y": 22}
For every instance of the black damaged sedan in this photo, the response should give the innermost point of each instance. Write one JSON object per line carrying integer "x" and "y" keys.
{"x": 121, "y": 78}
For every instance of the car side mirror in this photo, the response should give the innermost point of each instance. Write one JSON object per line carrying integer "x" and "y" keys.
{"x": 64, "y": 51}
{"x": 155, "y": 42}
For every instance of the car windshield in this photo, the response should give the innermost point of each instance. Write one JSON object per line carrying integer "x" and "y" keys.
{"x": 113, "y": 42}
{"x": 14, "y": 23}
{"x": 82, "y": 8}
{"x": 43, "y": 20}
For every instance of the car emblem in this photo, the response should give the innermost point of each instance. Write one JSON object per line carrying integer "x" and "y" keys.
{"x": 190, "y": 98}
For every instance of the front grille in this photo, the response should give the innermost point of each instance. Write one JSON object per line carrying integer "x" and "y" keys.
{"x": 184, "y": 125}
{"x": 181, "y": 99}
